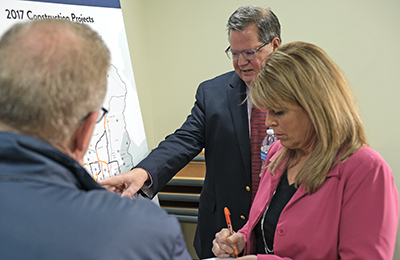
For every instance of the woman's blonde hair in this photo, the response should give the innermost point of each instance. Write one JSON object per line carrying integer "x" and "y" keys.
{"x": 303, "y": 74}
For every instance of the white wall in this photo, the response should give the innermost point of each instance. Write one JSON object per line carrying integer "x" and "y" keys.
{"x": 176, "y": 44}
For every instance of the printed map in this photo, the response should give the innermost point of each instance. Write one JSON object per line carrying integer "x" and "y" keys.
{"x": 119, "y": 140}
{"x": 108, "y": 153}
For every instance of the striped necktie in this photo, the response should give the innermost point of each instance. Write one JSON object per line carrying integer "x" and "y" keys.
{"x": 257, "y": 134}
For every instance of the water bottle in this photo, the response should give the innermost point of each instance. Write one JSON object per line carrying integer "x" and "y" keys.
{"x": 266, "y": 143}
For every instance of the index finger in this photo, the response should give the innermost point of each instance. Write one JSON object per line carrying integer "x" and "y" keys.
{"x": 221, "y": 237}
{"x": 113, "y": 181}
{"x": 224, "y": 247}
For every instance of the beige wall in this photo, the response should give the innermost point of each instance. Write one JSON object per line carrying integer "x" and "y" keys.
{"x": 176, "y": 44}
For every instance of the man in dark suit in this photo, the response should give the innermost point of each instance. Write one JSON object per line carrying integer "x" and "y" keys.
{"x": 53, "y": 79}
{"x": 219, "y": 122}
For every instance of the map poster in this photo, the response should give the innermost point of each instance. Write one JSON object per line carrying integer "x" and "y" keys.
{"x": 118, "y": 142}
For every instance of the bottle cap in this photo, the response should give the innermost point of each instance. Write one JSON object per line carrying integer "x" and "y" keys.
{"x": 270, "y": 131}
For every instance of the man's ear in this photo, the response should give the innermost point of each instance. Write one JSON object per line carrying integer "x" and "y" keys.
{"x": 82, "y": 136}
{"x": 275, "y": 43}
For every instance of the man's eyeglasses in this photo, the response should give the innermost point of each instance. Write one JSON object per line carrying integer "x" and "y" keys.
{"x": 102, "y": 114}
{"x": 248, "y": 54}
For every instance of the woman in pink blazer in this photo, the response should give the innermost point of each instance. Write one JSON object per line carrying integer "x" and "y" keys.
{"x": 324, "y": 193}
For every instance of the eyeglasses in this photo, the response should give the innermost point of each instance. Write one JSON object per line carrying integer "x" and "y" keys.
{"x": 102, "y": 114}
{"x": 248, "y": 54}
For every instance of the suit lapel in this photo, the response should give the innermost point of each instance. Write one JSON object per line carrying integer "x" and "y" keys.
{"x": 238, "y": 110}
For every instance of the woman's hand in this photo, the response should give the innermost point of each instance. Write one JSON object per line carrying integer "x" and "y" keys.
{"x": 224, "y": 243}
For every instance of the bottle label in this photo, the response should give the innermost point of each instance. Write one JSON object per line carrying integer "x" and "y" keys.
{"x": 263, "y": 156}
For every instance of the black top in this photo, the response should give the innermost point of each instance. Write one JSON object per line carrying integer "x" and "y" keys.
{"x": 284, "y": 192}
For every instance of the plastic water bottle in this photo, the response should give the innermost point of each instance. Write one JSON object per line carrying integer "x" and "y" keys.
{"x": 266, "y": 143}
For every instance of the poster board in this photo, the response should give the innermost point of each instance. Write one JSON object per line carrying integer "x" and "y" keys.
{"x": 118, "y": 142}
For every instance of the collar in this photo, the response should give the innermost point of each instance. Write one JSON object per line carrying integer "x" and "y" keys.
{"x": 26, "y": 158}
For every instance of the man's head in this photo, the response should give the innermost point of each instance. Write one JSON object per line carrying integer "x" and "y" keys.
{"x": 252, "y": 30}
{"x": 53, "y": 73}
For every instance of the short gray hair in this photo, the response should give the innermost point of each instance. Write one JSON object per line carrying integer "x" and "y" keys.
{"x": 52, "y": 74}
{"x": 266, "y": 21}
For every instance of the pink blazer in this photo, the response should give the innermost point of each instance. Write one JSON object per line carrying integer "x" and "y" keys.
{"x": 353, "y": 215}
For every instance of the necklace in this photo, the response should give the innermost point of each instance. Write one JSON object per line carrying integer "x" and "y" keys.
{"x": 266, "y": 248}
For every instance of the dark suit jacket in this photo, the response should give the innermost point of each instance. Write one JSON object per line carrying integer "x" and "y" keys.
{"x": 219, "y": 123}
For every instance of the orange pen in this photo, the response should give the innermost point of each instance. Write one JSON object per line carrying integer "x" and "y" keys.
{"x": 229, "y": 223}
